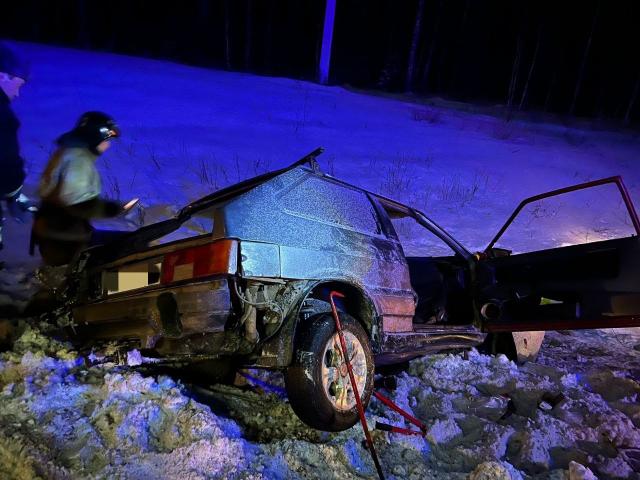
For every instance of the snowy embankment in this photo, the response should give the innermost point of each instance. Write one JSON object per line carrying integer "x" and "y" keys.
{"x": 188, "y": 131}
{"x": 62, "y": 417}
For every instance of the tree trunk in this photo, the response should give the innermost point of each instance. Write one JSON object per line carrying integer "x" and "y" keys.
{"x": 552, "y": 84}
{"x": 525, "y": 91}
{"x": 227, "y": 34}
{"x": 458, "y": 47}
{"x": 413, "y": 52}
{"x": 203, "y": 34}
{"x": 268, "y": 50}
{"x": 632, "y": 101}
{"x": 83, "y": 37}
{"x": 585, "y": 55}
{"x": 203, "y": 9}
{"x": 327, "y": 39}
{"x": 248, "y": 35}
{"x": 465, "y": 15}
{"x": 513, "y": 84}
{"x": 432, "y": 46}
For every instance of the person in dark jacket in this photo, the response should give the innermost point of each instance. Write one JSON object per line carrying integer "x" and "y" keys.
{"x": 13, "y": 75}
{"x": 70, "y": 190}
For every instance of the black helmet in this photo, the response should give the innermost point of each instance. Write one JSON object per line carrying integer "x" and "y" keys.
{"x": 91, "y": 129}
{"x": 97, "y": 126}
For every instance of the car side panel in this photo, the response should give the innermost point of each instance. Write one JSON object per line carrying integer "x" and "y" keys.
{"x": 316, "y": 243}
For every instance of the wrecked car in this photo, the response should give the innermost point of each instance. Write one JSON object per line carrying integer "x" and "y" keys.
{"x": 255, "y": 287}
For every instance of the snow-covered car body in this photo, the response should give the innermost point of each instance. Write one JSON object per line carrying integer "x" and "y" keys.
{"x": 255, "y": 288}
{"x": 294, "y": 234}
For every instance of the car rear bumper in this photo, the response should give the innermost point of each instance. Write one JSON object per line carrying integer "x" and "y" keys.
{"x": 173, "y": 312}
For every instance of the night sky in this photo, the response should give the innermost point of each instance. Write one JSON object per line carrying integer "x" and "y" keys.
{"x": 572, "y": 57}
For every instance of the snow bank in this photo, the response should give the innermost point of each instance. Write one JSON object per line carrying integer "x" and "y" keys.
{"x": 61, "y": 417}
{"x": 103, "y": 421}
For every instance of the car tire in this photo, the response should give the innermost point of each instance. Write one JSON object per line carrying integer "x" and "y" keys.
{"x": 317, "y": 382}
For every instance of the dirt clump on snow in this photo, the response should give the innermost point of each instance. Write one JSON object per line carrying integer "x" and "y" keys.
{"x": 264, "y": 417}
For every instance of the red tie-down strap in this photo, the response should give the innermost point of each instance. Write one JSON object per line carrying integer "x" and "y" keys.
{"x": 391, "y": 428}
{"x": 386, "y": 401}
{"x": 356, "y": 394}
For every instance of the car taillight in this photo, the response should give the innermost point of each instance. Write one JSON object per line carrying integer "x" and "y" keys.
{"x": 201, "y": 261}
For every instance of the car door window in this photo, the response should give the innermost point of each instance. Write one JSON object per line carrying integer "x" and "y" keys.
{"x": 418, "y": 241}
{"x": 573, "y": 218}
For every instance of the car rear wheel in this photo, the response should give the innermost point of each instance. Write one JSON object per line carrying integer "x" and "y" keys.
{"x": 318, "y": 383}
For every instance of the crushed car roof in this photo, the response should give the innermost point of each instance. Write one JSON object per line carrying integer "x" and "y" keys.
{"x": 139, "y": 239}
{"x": 309, "y": 160}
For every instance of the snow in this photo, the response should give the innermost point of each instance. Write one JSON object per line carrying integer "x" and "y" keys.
{"x": 493, "y": 471}
{"x": 64, "y": 417}
{"x": 188, "y": 131}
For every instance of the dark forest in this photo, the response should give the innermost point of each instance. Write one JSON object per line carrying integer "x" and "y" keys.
{"x": 573, "y": 58}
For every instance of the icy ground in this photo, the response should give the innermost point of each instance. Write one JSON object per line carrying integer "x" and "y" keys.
{"x": 188, "y": 131}
{"x": 63, "y": 417}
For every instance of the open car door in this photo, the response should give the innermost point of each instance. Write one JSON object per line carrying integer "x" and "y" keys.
{"x": 589, "y": 279}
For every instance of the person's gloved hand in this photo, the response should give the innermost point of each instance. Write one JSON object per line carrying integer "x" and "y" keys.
{"x": 112, "y": 209}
